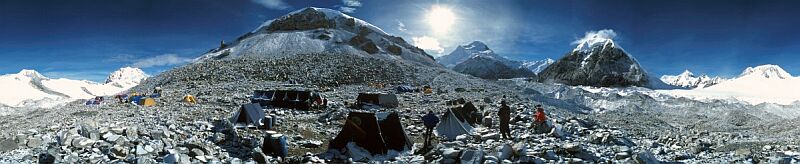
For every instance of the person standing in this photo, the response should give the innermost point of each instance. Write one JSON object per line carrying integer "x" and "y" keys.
{"x": 157, "y": 90}
{"x": 539, "y": 119}
{"x": 430, "y": 120}
{"x": 505, "y": 118}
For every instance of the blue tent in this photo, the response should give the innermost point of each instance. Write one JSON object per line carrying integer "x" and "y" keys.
{"x": 405, "y": 88}
{"x": 92, "y": 102}
{"x": 136, "y": 99}
{"x": 155, "y": 95}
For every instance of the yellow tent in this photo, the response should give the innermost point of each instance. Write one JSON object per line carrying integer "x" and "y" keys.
{"x": 147, "y": 102}
{"x": 427, "y": 90}
{"x": 189, "y": 99}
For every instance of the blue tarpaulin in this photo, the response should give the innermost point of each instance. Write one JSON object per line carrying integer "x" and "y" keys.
{"x": 136, "y": 99}
{"x": 405, "y": 88}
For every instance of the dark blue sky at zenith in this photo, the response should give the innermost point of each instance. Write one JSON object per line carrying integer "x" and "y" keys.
{"x": 87, "y": 39}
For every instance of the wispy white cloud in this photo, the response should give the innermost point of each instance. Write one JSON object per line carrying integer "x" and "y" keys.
{"x": 121, "y": 58}
{"x": 352, "y": 3}
{"x": 349, "y": 6}
{"x": 161, "y": 60}
{"x": 91, "y": 75}
{"x": 604, "y": 34}
{"x": 428, "y": 43}
{"x": 401, "y": 26}
{"x": 272, "y": 4}
{"x": 347, "y": 9}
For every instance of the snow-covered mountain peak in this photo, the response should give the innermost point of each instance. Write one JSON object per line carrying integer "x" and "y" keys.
{"x": 592, "y": 40}
{"x": 766, "y": 83}
{"x": 475, "y": 46}
{"x": 127, "y": 75}
{"x": 538, "y": 65}
{"x": 686, "y": 74}
{"x": 590, "y": 44}
{"x": 31, "y": 73}
{"x": 768, "y": 71}
{"x": 596, "y": 61}
{"x": 318, "y": 30}
{"x": 705, "y": 77}
{"x": 315, "y": 17}
{"x": 490, "y": 68}
{"x": 29, "y": 88}
{"x": 471, "y": 50}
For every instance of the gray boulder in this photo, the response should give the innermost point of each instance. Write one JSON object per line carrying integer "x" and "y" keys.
{"x": 645, "y": 157}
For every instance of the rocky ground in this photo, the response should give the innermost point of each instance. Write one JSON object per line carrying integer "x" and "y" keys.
{"x": 590, "y": 127}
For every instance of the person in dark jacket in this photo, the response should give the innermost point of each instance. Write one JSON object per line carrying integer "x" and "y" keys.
{"x": 505, "y": 118}
{"x": 430, "y": 120}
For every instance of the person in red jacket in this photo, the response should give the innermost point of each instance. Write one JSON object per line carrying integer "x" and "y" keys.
{"x": 539, "y": 119}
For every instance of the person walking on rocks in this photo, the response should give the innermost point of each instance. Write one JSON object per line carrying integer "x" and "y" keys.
{"x": 505, "y": 117}
{"x": 157, "y": 90}
{"x": 539, "y": 119}
{"x": 430, "y": 120}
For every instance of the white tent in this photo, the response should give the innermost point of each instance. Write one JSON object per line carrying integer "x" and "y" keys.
{"x": 383, "y": 99}
{"x": 450, "y": 127}
{"x": 388, "y": 100}
{"x": 249, "y": 115}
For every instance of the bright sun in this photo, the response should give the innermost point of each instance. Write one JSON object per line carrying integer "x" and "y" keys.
{"x": 440, "y": 19}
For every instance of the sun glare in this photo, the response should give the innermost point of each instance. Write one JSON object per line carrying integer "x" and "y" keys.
{"x": 440, "y": 19}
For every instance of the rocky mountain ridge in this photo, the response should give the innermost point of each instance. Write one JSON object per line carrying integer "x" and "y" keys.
{"x": 316, "y": 30}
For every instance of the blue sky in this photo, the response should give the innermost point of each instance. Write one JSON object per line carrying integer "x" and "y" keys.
{"x": 84, "y": 39}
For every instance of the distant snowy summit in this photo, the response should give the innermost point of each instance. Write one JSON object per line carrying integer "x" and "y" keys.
{"x": 126, "y": 77}
{"x": 537, "y": 65}
{"x": 29, "y": 88}
{"x": 768, "y": 71}
{"x": 477, "y": 59}
{"x": 760, "y": 84}
{"x": 468, "y": 51}
{"x": 29, "y": 74}
{"x": 687, "y": 79}
{"x": 597, "y": 61}
{"x": 317, "y": 30}
{"x": 491, "y": 68}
